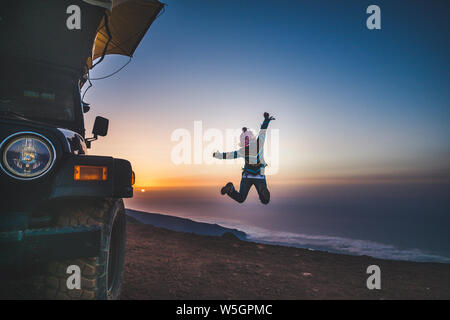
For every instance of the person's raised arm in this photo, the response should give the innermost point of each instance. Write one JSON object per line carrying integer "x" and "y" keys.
{"x": 264, "y": 126}
{"x": 227, "y": 155}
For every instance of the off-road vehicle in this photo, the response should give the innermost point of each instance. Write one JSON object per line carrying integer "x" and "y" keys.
{"x": 60, "y": 208}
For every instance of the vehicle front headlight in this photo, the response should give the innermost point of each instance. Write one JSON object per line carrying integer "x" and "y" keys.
{"x": 27, "y": 156}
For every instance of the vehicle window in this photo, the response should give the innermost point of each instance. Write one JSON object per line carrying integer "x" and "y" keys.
{"x": 38, "y": 94}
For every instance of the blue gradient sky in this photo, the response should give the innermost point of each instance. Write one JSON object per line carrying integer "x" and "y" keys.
{"x": 349, "y": 102}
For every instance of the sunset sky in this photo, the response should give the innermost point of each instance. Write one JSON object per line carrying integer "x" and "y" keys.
{"x": 351, "y": 104}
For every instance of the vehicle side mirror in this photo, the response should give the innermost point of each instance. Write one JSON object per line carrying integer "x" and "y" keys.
{"x": 100, "y": 127}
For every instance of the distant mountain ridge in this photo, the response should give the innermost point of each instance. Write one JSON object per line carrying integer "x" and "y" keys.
{"x": 182, "y": 224}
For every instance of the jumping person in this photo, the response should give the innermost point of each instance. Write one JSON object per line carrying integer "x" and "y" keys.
{"x": 252, "y": 150}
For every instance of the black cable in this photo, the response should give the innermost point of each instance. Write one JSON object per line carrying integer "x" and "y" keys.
{"x": 89, "y": 79}
{"x": 90, "y": 85}
{"x": 111, "y": 74}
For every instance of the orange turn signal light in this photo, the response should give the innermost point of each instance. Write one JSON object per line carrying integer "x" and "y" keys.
{"x": 90, "y": 173}
{"x": 133, "y": 178}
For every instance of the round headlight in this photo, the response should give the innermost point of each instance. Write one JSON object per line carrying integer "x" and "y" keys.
{"x": 27, "y": 156}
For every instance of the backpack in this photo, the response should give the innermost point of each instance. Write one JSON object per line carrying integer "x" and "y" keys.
{"x": 252, "y": 168}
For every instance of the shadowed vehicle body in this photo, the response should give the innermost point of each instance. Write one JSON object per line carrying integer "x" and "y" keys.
{"x": 57, "y": 202}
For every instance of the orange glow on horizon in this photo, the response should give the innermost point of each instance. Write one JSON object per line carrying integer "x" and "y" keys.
{"x": 192, "y": 182}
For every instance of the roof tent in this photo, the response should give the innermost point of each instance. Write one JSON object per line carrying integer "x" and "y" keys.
{"x": 37, "y": 30}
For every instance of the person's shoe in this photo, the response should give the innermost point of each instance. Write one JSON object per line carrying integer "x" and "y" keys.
{"x": 265, "y": 196}
{"x": 227, "y": 189}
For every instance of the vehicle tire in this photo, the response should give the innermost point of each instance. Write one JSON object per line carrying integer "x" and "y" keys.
{"x": 101, "y": 277}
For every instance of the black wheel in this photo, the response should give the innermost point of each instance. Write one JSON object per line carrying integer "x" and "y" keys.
{"x": 101, "y": 277}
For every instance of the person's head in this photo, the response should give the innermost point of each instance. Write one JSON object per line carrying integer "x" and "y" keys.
{"x": 247, "y": 137}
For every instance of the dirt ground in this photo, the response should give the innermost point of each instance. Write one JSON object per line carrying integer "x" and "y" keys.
{"x": 163, "y": 264}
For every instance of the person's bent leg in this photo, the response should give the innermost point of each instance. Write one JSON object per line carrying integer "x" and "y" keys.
{"x": 263, "y": 191}
{"x": 243, "y": 191}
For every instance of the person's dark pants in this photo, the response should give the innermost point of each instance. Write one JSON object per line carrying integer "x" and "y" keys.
{"x": 246, "y": 184}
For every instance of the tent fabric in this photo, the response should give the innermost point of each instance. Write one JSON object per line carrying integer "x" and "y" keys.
{"x": 128, "y": 22}
{"x": 107, "y": 4}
